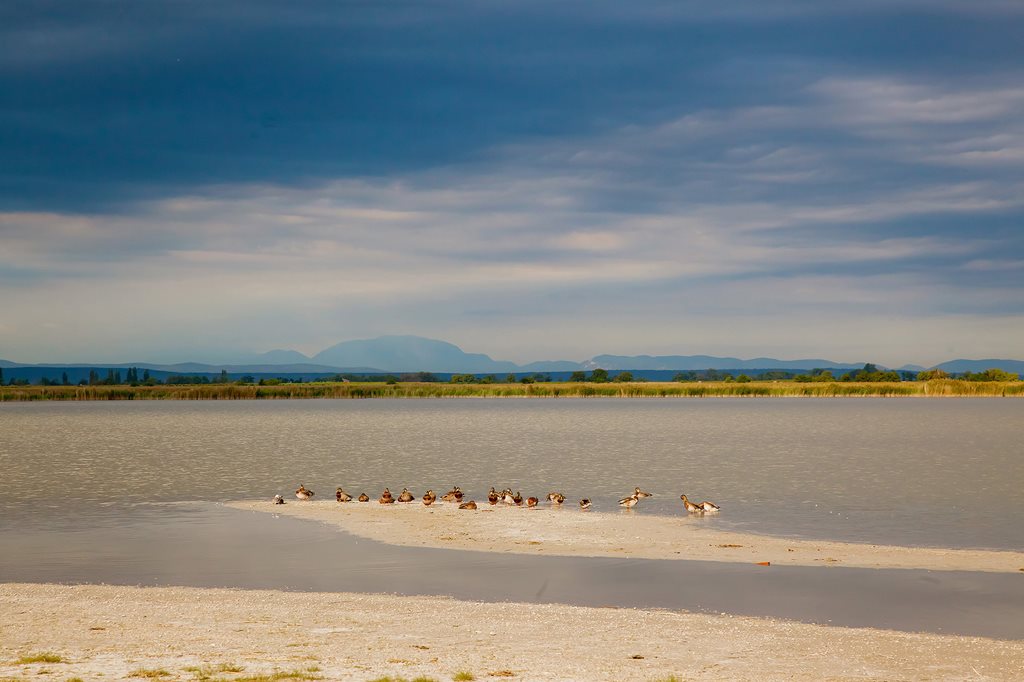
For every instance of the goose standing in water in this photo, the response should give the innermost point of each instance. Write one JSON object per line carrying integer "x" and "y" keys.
{"x": 699, "y": 508}
{"x": 342, "y": 496}
{"x": 303, "y": 493}
{"x": 628, "y": 502}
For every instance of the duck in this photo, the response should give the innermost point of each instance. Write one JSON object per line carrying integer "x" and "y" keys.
{"x": 556, "y": 498}
{"x": 342, "y": 496}
{"x": 699, "y": 508}
{"x": 458, "y": 494}
{"x": 303, "y": 494}
{"x": 406, "y": 496}
{"x": 428, "y": 498}
{"x": 468, "y": 505}
{"x": 585, "y": 503}
{"x": 641, "y": 494}
{"x": 386, "y": 498}
{"x": 518, "y": 499}
{"x": 629, "y": 501}
{"x": 363, "y": 497}
{"x": 532, "y": 501}
{"x": 278, "y": 499}
{"x": 492, "y": 497}
{"x": 507, "y": 497}
{"x": 451, "y": 495}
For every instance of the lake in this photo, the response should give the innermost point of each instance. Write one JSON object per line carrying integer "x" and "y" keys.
{"x": 126, "y": 492}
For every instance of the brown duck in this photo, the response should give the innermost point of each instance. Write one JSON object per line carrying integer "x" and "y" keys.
{"x": 429, "y": 497}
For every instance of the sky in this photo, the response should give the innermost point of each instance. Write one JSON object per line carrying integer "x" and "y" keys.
{"x": 533, "y": 180}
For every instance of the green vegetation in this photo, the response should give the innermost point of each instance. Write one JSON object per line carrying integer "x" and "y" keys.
{"x": 41, "y": 657}
{"x": 612, "y": 389}
{"x": 463, "y": 676}
{"x": 151, "y": 673}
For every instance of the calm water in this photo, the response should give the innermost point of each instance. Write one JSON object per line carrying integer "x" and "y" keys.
{"x": 126, "y": 493}
{"x": 944, "y": 472}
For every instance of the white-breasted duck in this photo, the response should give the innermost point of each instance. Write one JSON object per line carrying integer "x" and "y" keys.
{"x": 342, "y": 496}
{"x": 278, "y": 499}
{"x": 585, "y": 503}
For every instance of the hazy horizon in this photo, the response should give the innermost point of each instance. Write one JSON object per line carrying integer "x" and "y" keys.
{"x": 793, "y": 179}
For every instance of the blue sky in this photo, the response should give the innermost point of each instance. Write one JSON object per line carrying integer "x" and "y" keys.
{"x": 532, "y": 180}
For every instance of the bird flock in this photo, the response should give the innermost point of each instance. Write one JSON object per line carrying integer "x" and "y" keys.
{"x": 506, "y": 497}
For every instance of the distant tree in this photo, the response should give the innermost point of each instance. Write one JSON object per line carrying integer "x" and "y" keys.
{"x": 578, "y": 376}
{"x": 743, "y": 379}
{"x": 463, "y": 379}
{"x": 929, "y": 374}
{"x": 145, "y": 375}
{"x": 488, "y": 379}
{"x": 599, "y": 376}
{"x": 685, "y": 376}
{"x": 1, "y": 376}
{"x": 527, "y": 380}
{"x": 824, "y": 375}
{"x": 510, "y": 378}
{"x": 94, "y": 377}
{"x": 64, "y": 379}
{"x": 624, "y": 377}
{"x": 246, "y": 379}
{"x": 991, "y": 374}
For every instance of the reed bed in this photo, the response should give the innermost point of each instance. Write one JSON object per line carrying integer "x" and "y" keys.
{"x": 934, "y": 388}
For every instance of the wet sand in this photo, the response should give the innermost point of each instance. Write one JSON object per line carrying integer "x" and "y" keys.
{"x": 567, "y": 531}
{"x": 113, "y": 632}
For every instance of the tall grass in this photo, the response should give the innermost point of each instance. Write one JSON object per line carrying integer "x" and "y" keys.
{"x": 937, "y": 387}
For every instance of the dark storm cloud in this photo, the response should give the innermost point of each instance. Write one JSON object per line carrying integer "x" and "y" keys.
{"x": 105, "y": 102}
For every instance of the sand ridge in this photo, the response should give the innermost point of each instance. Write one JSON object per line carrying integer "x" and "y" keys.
{"x": 174, "y": 633}
{"x": 567, "y": 531}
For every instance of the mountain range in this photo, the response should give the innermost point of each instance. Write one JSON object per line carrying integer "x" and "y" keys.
{"x": 419, "y": 354}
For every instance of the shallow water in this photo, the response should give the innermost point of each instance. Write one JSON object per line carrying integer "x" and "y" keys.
{"x": 206, "y": 545}
{"x": 940, "y": 472}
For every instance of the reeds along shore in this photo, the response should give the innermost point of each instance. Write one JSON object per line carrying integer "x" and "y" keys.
{"x": 934, "y": 388}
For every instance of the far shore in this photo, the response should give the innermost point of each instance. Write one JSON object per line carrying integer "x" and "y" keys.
{"x": 54, "y": 633}
{"x": 937, "y": 388}
{"x": 568, "y": 531}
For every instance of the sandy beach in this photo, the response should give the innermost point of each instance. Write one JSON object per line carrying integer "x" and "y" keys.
{"x": 103, "y": 632}
{"x": 568, "y": 531}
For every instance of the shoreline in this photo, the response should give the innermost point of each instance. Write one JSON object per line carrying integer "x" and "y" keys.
{"x": 174, "y": 633}
{"x": 938, "y": 388}
{"x": 547, "y": 531}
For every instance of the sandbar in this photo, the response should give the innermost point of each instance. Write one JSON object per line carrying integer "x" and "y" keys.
{"x": 177, "y": 633}
{"x": 568, "y": 531}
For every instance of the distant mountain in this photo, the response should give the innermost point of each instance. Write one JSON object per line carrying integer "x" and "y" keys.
{"x": 278, "y": 357}
{"x": 410, "y": 354}
{"x": 1015, "y": 366}
{"x": 694, "y": 362}
{"x": 911, "y": 368}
